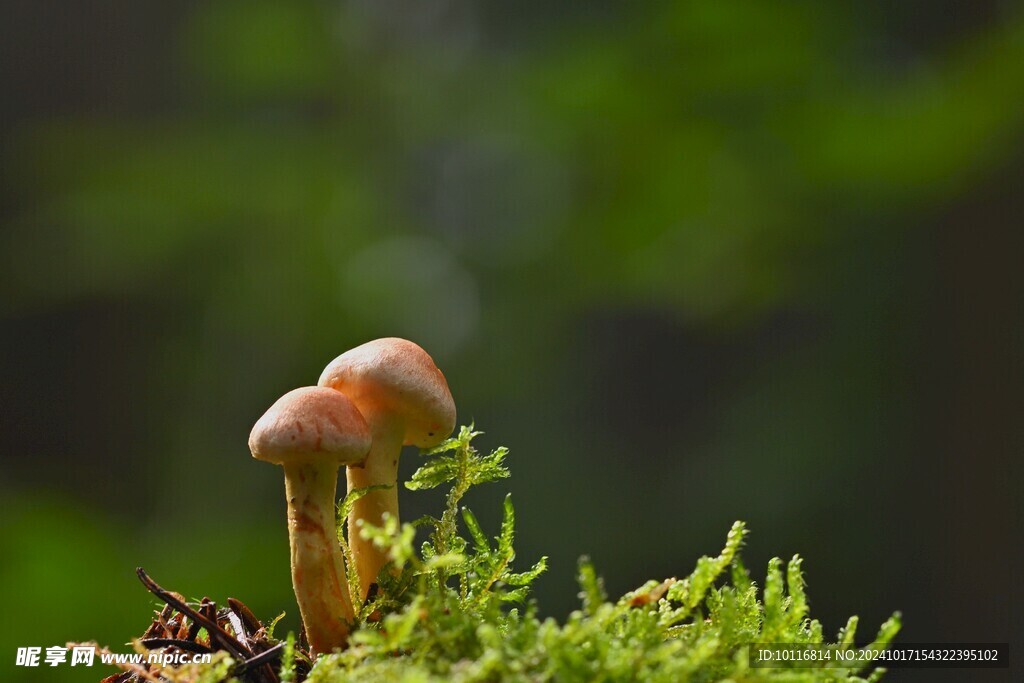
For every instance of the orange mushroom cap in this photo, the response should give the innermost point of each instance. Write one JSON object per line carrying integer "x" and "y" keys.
{"x": 396, "y": 376}
{"x": 311, "y": 423}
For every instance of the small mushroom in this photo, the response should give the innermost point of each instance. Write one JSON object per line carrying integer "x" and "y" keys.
{"x": 405, "y": 400}
{"x": 311, "y": 432}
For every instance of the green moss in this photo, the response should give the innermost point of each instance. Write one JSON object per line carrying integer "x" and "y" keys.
{"x": 455, "y": 609}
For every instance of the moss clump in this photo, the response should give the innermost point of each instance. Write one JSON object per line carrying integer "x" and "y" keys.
{"x": 456, "y": 611}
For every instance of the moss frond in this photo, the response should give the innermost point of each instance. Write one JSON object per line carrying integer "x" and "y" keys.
{"x": 443, "y": 613}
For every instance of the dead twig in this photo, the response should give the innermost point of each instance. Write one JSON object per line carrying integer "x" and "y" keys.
{"x": 187, "y": 645}
{"x": 223, "y": 638}
{"x": 264, "y": 658}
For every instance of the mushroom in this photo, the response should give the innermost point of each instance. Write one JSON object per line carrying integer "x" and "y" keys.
{"x": 311, "y": 432}
{"x": 405, "y": 400}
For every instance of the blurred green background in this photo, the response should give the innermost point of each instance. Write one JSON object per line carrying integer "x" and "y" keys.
{"x": 692, "y": 262}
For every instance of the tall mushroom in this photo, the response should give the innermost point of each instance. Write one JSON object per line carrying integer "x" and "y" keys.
{"x": 405, "y": 400}
{"x": 311, "y": 432}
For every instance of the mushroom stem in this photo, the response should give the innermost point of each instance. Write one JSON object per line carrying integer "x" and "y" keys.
{"x": 381, "y": 467}
{"x": 318, "y": 569}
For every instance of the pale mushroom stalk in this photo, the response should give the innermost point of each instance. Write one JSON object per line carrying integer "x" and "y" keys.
{"x": 318, "y": 567}
{"x": 311, "y": 432}
{"x": 381, "y": 468}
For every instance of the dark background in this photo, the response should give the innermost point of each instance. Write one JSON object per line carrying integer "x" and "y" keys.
{"x": 692, "y": 262}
